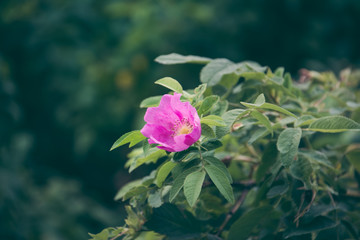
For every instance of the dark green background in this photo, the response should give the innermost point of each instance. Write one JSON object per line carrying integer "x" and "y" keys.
{"x": 73, "y": 72}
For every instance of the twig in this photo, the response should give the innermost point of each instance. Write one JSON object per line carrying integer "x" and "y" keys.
{"x": 244, "y": 158}
{"x": 237, "y": 205}
{"x": 336, "y": 214}
{"x": 120, "y": 234}
{"x": 299, "y": 215}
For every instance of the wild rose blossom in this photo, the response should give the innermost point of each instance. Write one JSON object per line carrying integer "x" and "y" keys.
{"x": 174, "y": 125}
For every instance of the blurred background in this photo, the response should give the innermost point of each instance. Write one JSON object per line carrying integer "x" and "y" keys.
{"x": 73, "y": 72}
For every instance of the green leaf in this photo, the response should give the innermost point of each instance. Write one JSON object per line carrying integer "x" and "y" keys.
{"x": 207, "y": 131}
{"x": 126, "y": 188}
{"x": 180, "y": 156}
{"x": 215, "y": 70}
{"x": 277, "y": 190}
{"x": 192, "y": 186}
{"x": 334, "y": 124}
{"x": 220, "y": 108}
{"x": 179, "y": 182}
{"x": 316, "y": 157}
{"x": 103, "y": 235}
{"x": 229, "y": 118}
{"x": 243, "y": 227}
{"x": 221, "y": 182}
{"x": 268, "y": 106}
{"x": 163, "y": 172}
{"x": 220, "y": 165}
{"x": 318, "y": 224}
{"x": 301, "y": 169}
{"x": 354, "y": 159}
{"x": 213, "y": 120}
{"x": 207, "y": 104}
{"x": 287, "y": 144}
{"x": 279, "y": 72}
{"x": 211, "y": 145}
{"x": 277, "y": 80}
{"x": 267, "y": 160}
{"x": 278, "y": 109}
{"x": 151, "y": 102}
{"x": 134, "y": 192}
{"x": 152, "y": 156}
{"x": 133, "y": 138}
{"x": 262, "y": 119}
{"x": 154, "y": 199}
{"x": 174, "y": 58}
{"x": 175, "y": 224}
{"x": 260, "y": 100}
{"x": 170, "y": 83}
{"x": 304, "y": 120}
{"x": 258, "y": 134}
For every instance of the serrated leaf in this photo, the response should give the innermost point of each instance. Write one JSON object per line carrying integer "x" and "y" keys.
{"x": 220, "y": 165}
{"x": 133, "y": 138}
{"x": 127, "y": 187}
{"x": 221, "y": 182}
{"x": 163, "y": 172}
{"x": 171, "y": 84}
{"x": 207, "y": 104}
{"x": 207, "y": 131}
{"x": 287, "y": 144}
{"x": 242, "y": 228}
{"x": 211, "y": 145}
{"x": 213, "y": 120}
{"x": 215, "y": 70}
{"x": 174, "y": 58}
{"x": 262, "y": 119}
{"x": 179, "y": 182}
{"x": 150, "y": 102}
{"x": 334, "y": 124}
{"x": 192, "y": 186}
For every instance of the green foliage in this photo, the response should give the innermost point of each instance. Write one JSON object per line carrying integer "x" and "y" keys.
{"x": 171, "y": 84}
{"x": 261, "y": 157}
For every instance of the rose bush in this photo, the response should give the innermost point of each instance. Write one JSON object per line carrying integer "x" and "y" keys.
{"x": 248, "y": 154}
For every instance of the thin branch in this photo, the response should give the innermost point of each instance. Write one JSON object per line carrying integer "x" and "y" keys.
{"x": 120, "y": 234}
{"x": 299, "y": 215}
{"x": 237, "y": 205}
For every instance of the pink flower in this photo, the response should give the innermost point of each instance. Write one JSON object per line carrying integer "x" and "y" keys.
{"x": 174, "y": 125}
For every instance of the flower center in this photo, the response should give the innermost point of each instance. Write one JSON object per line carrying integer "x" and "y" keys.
{"x": 182, "y": 127}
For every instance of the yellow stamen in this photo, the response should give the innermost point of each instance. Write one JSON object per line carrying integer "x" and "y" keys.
{"x": 184, "y": 130}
